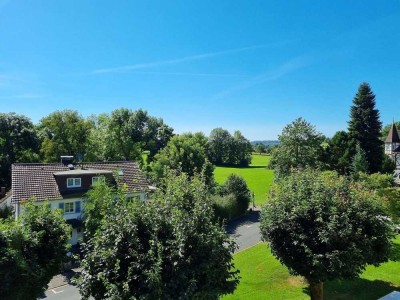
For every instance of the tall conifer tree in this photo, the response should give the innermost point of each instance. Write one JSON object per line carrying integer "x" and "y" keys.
{"x": 365, "y": 127}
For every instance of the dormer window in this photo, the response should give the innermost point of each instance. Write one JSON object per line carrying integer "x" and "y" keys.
{"x": 98, "y": 179}
{"x": 73, "y": 182}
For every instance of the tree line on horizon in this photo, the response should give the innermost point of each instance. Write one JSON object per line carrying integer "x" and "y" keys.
{"x": 123, "y": 134}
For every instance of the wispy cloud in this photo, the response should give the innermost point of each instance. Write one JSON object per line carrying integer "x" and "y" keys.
{"x": 192, "y": 74}
{"x": 173, "y": 61}
{"x": 24, "y": 96}
{"x": 269, "y": 75}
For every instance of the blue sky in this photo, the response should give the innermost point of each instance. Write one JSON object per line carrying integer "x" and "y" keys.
{"x": 248, "y": 65}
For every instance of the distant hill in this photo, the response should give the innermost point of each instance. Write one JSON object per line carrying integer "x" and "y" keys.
{"x": 266, "y": 143}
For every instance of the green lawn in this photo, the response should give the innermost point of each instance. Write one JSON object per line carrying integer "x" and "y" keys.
{"x": 257, "y": 177}
{"x": 263, "y": 277}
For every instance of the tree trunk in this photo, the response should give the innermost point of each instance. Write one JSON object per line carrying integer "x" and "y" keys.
{"x": 317, "y": 290}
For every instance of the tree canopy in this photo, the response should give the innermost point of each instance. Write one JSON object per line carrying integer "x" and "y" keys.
{"x": 227, "y": 149}
{"x": 300, "y": 147}
{"x": 32, "y": 251}
{"x": 18, "y": 143}
{"x": 324, "y": 227}
{"x": 63, "y": 132}
{"x": 185, "y": 153}
{"x": 168, "y": 248}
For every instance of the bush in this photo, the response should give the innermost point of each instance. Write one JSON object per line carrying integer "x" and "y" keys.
{"x": 237, "y": 186}
{"x": 225, "y": 207}
{"x": 236, "y": 194}
{"x": 391, "y": 202}
{"x": 376, "y": 181}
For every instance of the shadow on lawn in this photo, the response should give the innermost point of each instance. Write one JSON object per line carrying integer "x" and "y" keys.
{"x": 357, "y": 289}
{"x": 251, "y": 218}
{"x": 237, "y": 167}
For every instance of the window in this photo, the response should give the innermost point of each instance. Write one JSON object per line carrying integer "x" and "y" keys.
{"x": 73, "y": 182}
{"x": 69, "y": 207}
{"x": 97, "y": 179}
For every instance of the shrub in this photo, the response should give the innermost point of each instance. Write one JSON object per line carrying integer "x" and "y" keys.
{"x": 225, "y": 207}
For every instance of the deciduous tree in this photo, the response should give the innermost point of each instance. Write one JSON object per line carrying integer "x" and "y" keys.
{"x": 323, "y": 227}
{"x": 168, "y": 248}
{"x": 32, "y": 251}
{"x": 63, "y": 132}
{"x": 185, "y": 153}
{"x": 18, "y": 143}
{"x": 300, "y": 147}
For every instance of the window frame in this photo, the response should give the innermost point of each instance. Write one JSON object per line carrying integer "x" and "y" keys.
{"x": 68, "y": 205}
{"x": 74, "y": 182}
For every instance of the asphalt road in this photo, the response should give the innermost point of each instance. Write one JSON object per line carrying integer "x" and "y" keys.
{"x": 65, "y": 292}
{"x": 245, "y": 231}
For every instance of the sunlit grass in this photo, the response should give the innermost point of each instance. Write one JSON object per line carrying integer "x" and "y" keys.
{"x": 263, "y": 277}
{"x": 258, "y": 178}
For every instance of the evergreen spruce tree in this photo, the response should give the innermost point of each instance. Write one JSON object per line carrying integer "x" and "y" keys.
{"x": 365, "y": 127}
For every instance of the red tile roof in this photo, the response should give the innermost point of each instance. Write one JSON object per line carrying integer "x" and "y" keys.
{"x": 38, "y": 180}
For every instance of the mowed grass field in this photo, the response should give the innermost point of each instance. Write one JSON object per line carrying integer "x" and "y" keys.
{"x": 257, "y": 177}
{"x": 263, "y": 277}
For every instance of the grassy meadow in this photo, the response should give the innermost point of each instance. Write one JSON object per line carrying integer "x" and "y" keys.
{"x": 263, "y": 277}
{"x": 258, "y": 178}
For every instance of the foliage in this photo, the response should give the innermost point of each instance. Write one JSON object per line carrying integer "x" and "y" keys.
{"x": 125, "y": 134}
{"x": 260, "y": 148}
{"x": 167, "y": 248}
{"x": 323, "y": 227}
{"x": 365, "y": 127}
{"x": 6, "y": 212}
{"x": 18, "y": 143}
{"x": 258, "y": 178}
{"x": 376, "y": 181}
{"x": 359, "y": 163}
{"x": 219, "y": 145}
{"x": 63, "y": 132}
{"x": 390, "y": 198}
{"x": 227, "y": 149}
{"x": 32, "y": 251}
{"x": 225, "y": 207}
{"x": 185, "y": 153}
{"x": 341, "y": 152}
{"x": 236, "y": 186}
{"x": 300, "y": 147}
{"x": 388, "y": 165}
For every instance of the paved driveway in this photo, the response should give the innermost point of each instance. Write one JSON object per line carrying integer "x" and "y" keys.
{"x": 245, "y": 230}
